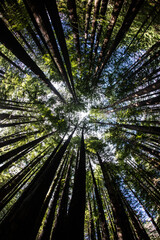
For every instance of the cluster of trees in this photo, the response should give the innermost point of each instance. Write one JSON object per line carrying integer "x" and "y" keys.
{"x": 63, "y": 176}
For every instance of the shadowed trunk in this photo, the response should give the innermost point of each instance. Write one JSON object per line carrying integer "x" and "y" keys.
{"x": 60, "y": 230}
{"x": 129, "y": 18}
{"x": 116, "y": 10}
{"x": 94, "y": 26}
{"x": 87, "y": 20}
{"x": 105, "y": 231}
{"x": 27, "y": 205}
{"x": 100, "y": 26}
{"x": 40, "y": 15}
{"x": 121, "y": 220}
{"x": 71, "y": 5}
{"x": 14, "y": 46}
{"x": 75, "y": 219}
{"x": 54, "y": 15}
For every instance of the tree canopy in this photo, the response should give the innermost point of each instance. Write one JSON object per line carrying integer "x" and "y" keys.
{"x": 79, "y": 119}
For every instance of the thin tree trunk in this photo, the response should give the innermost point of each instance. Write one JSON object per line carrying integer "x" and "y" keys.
{"x": 143, "y": 57}
{"x": 57, "y": 184}
{"x": 25, "y": 41}
{"x": 141, "y": 27}
{"x": 35, "y": 39}
{"x": 92, "y": 227}
{"x": 10, "y": 116}
{"x": 144, "y": 129}
{"x": 151, "y": 88}
{"x": 16, "y": 139}
{"x": 96, "y": 213}
{"x": 8, "y": 191}
{"x": 14, "y": 181}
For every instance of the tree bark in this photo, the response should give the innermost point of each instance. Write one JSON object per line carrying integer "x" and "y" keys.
{"x": 13, "y": 45}
{"x": 100, "y": 26}
{"x": 75, "y": 218}
{"x": 71, "y": 5}
{"x": 11, "y": 62}
{"x": 14, "y": 152}
{"x": 15, "y": 225}
{"x": 116, "y": 10}
{"x": 60, "y": 229}
{"x": 56, "y": 22}
{"x": 105, "y": 231}
{"x": 94, "y": 26}
{"x": 87, "y": 20}
{"x": 130, "y": 16}
{"x": 121, "y": 220}
{"x": 40, "y": 15}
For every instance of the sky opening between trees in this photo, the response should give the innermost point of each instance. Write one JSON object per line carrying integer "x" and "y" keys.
{"x": 79, "y": 119}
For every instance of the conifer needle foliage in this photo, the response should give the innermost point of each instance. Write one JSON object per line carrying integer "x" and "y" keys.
{"x": 79, "y": 119}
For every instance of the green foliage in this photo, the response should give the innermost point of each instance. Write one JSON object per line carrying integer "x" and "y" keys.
{"x": 123, "y": 150}
{"x": 93, "y": 144}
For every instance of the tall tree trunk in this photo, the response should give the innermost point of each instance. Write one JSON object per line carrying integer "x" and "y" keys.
{"x": 56, "y": 22}
{"x": 75, "y": 218}
{"x": 11, "y": 62}
{"x": 2, "y": 125}
{"x": 144, "y": 129}
{"x": 105, "y": 231}
{"x": 60, "y": 227}
{"x": 151, "y": 88}
{"x": 116, "y": 10}
{"x": 14, "y": 152}
{"x": 94, "y": 26}
{"x": 87, "y": 20}
{"x": 10, "y": 116}
{"x": 130, "y": 16}
{"x": 14, "y": 181}
{"x": 8, "y": 191}
{"x": 71, "y": 5}
{"x": 151, "y": 14}
{"x": 35, "y": 39}
{"x": 139, "y": 229}
{"x": 15, "y": 225}
{"x": 40, "y": 15}
{"x": 91, "y": 220}
{"x": 100, "y": 26}
{"x": 15, "y": 139}
{"x": 51, "y": 198}
{"x": 14, "y": 46}
{"x": 121, "y": 220}
{"x": 145, "y": 209}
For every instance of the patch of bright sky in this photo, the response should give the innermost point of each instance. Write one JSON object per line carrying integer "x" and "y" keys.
{"x": 82, "y": 115}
